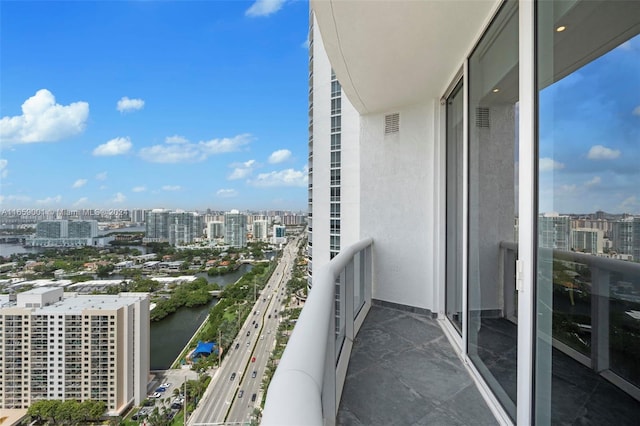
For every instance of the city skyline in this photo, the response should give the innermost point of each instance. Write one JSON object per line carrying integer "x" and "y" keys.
{"x": 145, "y": 104}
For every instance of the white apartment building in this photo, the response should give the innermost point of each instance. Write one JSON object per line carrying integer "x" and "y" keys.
{"x": 57, "y": 345}
{"x": 235, "y": 229}
{"x": 587, "y": 240}
{"x": 260, "y": 230}
{"x": 215, "y": 229}
{"x": 460, "y": 123}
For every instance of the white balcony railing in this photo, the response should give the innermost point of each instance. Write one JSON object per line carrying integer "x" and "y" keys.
{"x": 307, "y": 385}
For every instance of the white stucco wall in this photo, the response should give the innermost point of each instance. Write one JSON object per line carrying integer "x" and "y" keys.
{"x": 399, "y": 204}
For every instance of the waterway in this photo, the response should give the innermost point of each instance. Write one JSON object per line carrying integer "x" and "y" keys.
{"x": 170, "y": 335}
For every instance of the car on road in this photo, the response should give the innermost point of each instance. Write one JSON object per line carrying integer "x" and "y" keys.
{"x": 237, "y": 345}
{"x": 155, "y": 395}
{"x": 240, "y": 393}
{"x": 253, "y": 397}
{"x": 161, "y": 389}
{"x": 248, "y": 333}
{"x": 165, "y": 385}
{"x": 254, "y": 374}
{"x": 253, "y": 359}
{"x": 256, "y": 326}
{"x": 233, "y": 376}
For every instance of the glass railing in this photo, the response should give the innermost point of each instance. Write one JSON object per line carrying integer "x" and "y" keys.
{"x": 307, "y": 385}
{"x": 596, "y": 311}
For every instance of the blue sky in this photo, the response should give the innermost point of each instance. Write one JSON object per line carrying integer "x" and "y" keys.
{"x": 184, "y": 104}
{"x": 590, "y": 136}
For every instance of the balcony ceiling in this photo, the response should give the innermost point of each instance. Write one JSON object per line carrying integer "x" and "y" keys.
{"x": 398, "y": 52}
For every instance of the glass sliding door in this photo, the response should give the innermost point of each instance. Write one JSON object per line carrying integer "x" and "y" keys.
{"x": 493, "y": 147}
{"x": 587, "y": 343}
{"x": 454, "y": 219}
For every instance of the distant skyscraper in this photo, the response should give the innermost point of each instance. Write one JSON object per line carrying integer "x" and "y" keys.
{"x": 138, "y": 215}
{"x": 260, "y": 228}
{"x": 279, "y": 234}
{"x": 83, "y": 229}
{"x": 553, "y": 231}
{"x": 215, "y": 229}
{"x": 235, "y": 229}
{"x": 184, "y": 227}
{"x": 157, "y": 226}
{"x": 52, "y": 229}
{"x": 587, "y": 240}
{"x": 626, "y": 237}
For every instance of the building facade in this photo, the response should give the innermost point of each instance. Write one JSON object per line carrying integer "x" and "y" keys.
{"x": 235, "y": 229}
{"x": 473, "y": 120}
{"x": 63, "y": 346}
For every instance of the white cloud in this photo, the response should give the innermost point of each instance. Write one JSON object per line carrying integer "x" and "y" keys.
{"x": 127, "y": 105}
{"x": 118, "y": 198}
{"x": 279, "y": 156}
{"x": 50, "y": 200}
{"x": 80, "y": 202}
{"x": 264, "y": 7}
{"x": 101, "y": 176}
{"x": 636, "y": 111}
{"x": 186, "y": 152}
{"x": 176, "y": 139}
{"x": 3, "y": 168}
{"x": 547, "y": 164}
{"x": 629, "y": 204}
{"x": 287, "y": 177}
{"x": 594, "y": 182}
{"x": 171, "y": 188}
{"x": 139, "y": 188}
{"x": 116, "y": 146}
{"x": 79, "y": 183}
{"x": 43, "y": 120}
{"x": 242, "y": 170}
{"x": 599, "y": 152}
{"x": 227, "y": 193}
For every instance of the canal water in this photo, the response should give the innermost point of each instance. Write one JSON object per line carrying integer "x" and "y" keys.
{"x": 171, "y": 334}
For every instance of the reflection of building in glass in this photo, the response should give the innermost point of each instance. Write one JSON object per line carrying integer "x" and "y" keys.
{"x": 626, "y": 237}
{"x": 587, "y": 240}
{"x": 553, "y": 231}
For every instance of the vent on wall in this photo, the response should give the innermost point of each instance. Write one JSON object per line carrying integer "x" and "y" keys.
{"x": 482, "y": 117}
{"x": 391, "y": 123}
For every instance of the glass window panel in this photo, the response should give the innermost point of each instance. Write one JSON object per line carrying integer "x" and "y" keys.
{"x": 588, "y": 280}
{"x": 493, "y": 147}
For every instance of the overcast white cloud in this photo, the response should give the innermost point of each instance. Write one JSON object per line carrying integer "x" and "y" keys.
{"x": 227, "y": 193}
{"x": 183, "y": 151}
{"x": 171, "y": 188}
{"x": 599, "y": 152}
{"x": 101, "y": 176}
{"x": 116, "y": 146}
{"x": 139, "y": 188}
{"x": 547, "y": 164}
{"x": 176, "y": 139}
{"x": 264, "y": 7}
{"x": 50, "y": 200}
{"x": 79, "y": 183}
{"x": 4, "y": 172}
{"x": 43, "y": 120}
{"x": 287, "y": 177}
{"x": 119, "y": 198}
{"x": 279, "y": 156}
{"x": 127, "y": 105}
{"x": 242, "y": 170}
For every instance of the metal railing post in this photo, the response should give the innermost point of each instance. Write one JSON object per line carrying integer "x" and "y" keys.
{"x": 599, "y": 319}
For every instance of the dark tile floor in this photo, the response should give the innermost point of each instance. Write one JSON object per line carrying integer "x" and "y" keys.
{"x": 403, "y": 371}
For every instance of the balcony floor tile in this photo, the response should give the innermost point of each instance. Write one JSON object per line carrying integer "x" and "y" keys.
{"x": 403, "y": 371}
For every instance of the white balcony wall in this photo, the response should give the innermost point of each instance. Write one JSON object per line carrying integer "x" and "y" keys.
{"x": 399, "y": 204}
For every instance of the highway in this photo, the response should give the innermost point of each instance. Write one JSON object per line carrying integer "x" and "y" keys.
{"x": 229, "y": 400}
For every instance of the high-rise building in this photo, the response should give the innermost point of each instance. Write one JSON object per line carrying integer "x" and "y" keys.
{"x": 138, "y": 215}
{"x": 587, "y": 240}
{"x": 83, "y": 229}
{"x": 157, "y": 226}
{"x": 215, "y": 229}
{"x": 554, "y": 231}
{"x": 235, "y": 229}
{"x": 260, "y": 230}
{"x": 52, "y": 229}
{"x": 469, "y": 124}
{"x": 184, "y": 227}
{"x": 279, "y": 234}
{"x": 626, "y": 237}
{"x": 64, "y": 346}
